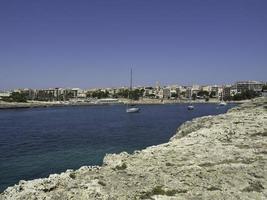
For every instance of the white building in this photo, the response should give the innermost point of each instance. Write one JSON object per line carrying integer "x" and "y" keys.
{"x": 195, "y": 89}
{"x": 207, "y": 88}
{"x": 249, "y": 85}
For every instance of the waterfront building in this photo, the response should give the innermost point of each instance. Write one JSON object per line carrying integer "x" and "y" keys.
{"x": 215, "y": 89}
{"x": 226, "y": 91}
{"x": 174, "y": 92}
{"x": 80, "y": 94}
{"x": 188, "y": 93}
{"x": 46, "y": 95}
{"x": 182, "y": 91}
{"x": 149, "y": 92}
{"x": 220, "y": 92}
{"x": 55, "y": 94}
{"x": 195, "y": 89}
{"x": 30, "y": 93}
{"x": 166, "y": 93}
{"x": 233, "y": 90}
{"x": 112, "y": 91}
{"x": 182, "y": 88}
{"x": 242, "y": 86}
{"x": 264, "y": 92}
{"x": 159, "y": 94}
{"x": 207, "y": 88}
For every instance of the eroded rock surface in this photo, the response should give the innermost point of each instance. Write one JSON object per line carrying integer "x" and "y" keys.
{"x": 213, "y": 157}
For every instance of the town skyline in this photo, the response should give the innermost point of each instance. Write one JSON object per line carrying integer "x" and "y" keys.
{"x": 237, "y": 91}
{"x": 134, "y": 85}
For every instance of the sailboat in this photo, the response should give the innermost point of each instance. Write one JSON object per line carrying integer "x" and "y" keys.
{"x": 222, "y": 103}
{"x": 190, "y": 106}
{"x": 131, "y": 108}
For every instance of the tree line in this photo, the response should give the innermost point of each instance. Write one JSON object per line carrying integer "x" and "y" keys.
{"x": 123, "y": 93}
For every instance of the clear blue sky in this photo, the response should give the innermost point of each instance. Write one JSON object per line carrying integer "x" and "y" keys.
{"x": 86, "y": 43}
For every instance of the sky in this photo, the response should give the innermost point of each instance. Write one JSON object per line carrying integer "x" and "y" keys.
{"x": 87, "y": 44}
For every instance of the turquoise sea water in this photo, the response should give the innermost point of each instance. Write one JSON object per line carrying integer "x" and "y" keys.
{"x": 37, "y": 142}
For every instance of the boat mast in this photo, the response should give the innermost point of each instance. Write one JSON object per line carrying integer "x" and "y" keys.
{"x": 131, "y": 83}
{"x": 222, "y": 93}
{"x": 131, "y": 80}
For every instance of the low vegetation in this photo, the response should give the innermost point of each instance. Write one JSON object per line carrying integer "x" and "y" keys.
{"x": 121, "y": 167}
{"x": 247, "y": 94}
{"x": 72, "y": 175}
{"x": 122, "y": 93}
{"x": 102, "y": 183}
{"x": 254, "y": 187}
{"x": 158, "y": 191}
{"x": 15, "y": 97}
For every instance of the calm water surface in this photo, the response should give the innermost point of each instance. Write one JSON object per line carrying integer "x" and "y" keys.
{"x": 37, "y": 142}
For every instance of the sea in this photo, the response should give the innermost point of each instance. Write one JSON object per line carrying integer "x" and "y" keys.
{"x": 36, "y": 142}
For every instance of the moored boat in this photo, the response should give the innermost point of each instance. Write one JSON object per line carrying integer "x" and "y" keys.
{"x": 190, "y": 107}
{"x": 131, "y": 108}
{"x": 222, "y": 103}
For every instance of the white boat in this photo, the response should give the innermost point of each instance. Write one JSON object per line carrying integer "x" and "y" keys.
{"x": 131, "y": 108}
{"x": 190, "y": 107}
{"x": 222, "y": 103}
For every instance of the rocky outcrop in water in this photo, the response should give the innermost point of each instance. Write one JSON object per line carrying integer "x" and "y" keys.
{"x": 213, "y": 157}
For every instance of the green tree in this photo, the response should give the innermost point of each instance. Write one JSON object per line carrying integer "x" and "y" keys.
{"x": 151, "y": 95}
{"x": 183, "y": 94}
{"x": 99, "y": 94}
{"x": 135, "y": 94}
{"x": 247, "y": 94}
{"x": 16, "y": 97}
{"x": 174, "y": 95}
{"x": 194, "y": 96}
{"x": 212, "y": 94}
{"x": 203, "y": 93}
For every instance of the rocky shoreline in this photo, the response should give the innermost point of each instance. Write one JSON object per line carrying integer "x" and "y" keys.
{"x": 212, "y": 157}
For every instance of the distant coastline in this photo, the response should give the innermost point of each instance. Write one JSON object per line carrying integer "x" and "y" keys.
{"x": 44, "y": 104}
